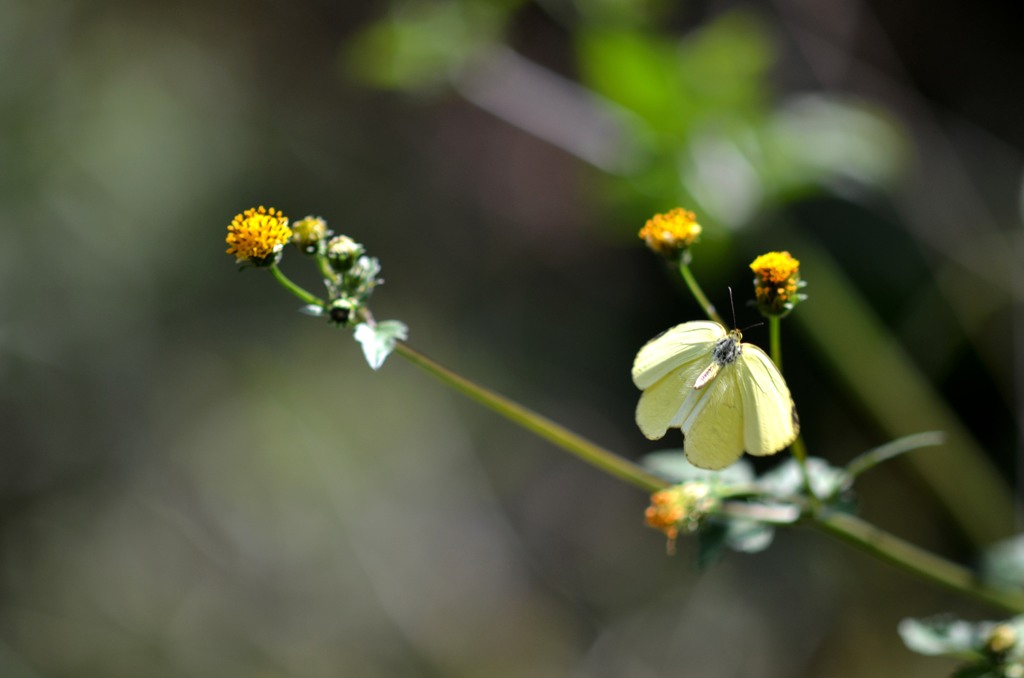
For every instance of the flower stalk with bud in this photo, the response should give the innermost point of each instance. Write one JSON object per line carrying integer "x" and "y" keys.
{"x": 671, "y": 235}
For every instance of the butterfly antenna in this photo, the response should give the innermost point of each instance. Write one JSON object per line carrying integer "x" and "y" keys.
{"x": 732, "y": 306}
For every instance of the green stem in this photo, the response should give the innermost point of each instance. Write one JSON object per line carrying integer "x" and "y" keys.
{"x": 775, "y": 339}
{"x": 797, "y": 448}
{"x": 295, "y": 289}
{"x": 915, "y": 560}
{"x": 698, "y": 293}
{"x": 542, "y": 426}
{"x": 325, "y": 268}
{"x": 799, "y": 451}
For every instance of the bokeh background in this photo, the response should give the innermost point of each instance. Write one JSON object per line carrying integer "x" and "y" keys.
{"x": 198, "y": 481}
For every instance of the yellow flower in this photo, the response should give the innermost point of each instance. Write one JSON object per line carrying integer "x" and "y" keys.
{"x": 307, "y": 234}
{"x": 776, "y": 283}
{"x": 680, "y": 507}
{"x": 257, "y": 235}
{"x": 669, "y": 233}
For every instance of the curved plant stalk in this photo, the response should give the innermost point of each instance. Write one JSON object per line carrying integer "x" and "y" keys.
{"x": 545, "y": 428}
{"x": 850, "y": 529}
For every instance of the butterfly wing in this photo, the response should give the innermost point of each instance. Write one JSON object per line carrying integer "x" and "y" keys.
{"x": 670, "y": 400}
{"x": 713, "y": 430}
{"x": 666, "y": 369}
{"x": 769, "y": 418}
{"x": 673, "y": 348}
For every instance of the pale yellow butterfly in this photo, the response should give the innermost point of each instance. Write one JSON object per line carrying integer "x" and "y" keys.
{"x": 724, "y": 395}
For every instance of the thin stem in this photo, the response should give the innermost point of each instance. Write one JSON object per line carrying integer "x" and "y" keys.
{"x": 893, "y": 448}
{"x": 698, "y": 293}
{"x": 799, "y": 451}
{"x": 797, "y": 448}
{"x": 542, "y": 426}
{"x": 325, "y": 268}
{"x": 295, "y": 289}
{"x": 915, "y": 560}
{"x": 775, "y": 339}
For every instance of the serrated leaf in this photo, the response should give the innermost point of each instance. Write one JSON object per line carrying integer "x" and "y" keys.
{"x": 378, "y": 340}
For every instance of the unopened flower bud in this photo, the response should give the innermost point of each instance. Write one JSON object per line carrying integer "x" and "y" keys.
{"x": 343, "y": 252}
{"x": 308, "y": 234}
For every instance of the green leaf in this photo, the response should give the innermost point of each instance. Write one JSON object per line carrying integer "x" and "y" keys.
{"x": 761, "y": 512}
{"x": 944, "y": 635}
{"x": 379, "y": 340}
{"x": 745, "y": 536}
{"x": 673, "y": 466}
{"x": 724, "y": 66}
{"x": 712, "y": 540}
{"x": 1002, "y": 564}
{"x": 639, "y": 70}
{"x": 748, "y": 536}
{"x": 813, "y": 138}
{"x": 420, "y": 45}
{"x": 786, "y": 479}
{"x": 892, "y": 449}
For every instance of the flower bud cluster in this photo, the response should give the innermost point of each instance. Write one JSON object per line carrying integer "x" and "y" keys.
{"x": 257, "y": 237}
{"x": 309, "y": 235}
{"x": 354, "y": 275}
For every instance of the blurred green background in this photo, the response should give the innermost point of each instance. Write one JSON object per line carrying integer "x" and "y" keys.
{"x": 197, "y": 481}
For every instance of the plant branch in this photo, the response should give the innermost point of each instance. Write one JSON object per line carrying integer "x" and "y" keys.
{"x": 915, "y": 560}
{"x": 852, "y": 530}
{"x": 542, "y": 426}
{"x": 798, "y": 449}
{"x": 301, "y": 293}
{"x": 698, "y": 293}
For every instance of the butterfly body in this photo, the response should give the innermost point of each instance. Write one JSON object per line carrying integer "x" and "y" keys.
{"x": 724, "y": 395}
{"x": 726, "y": 351}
